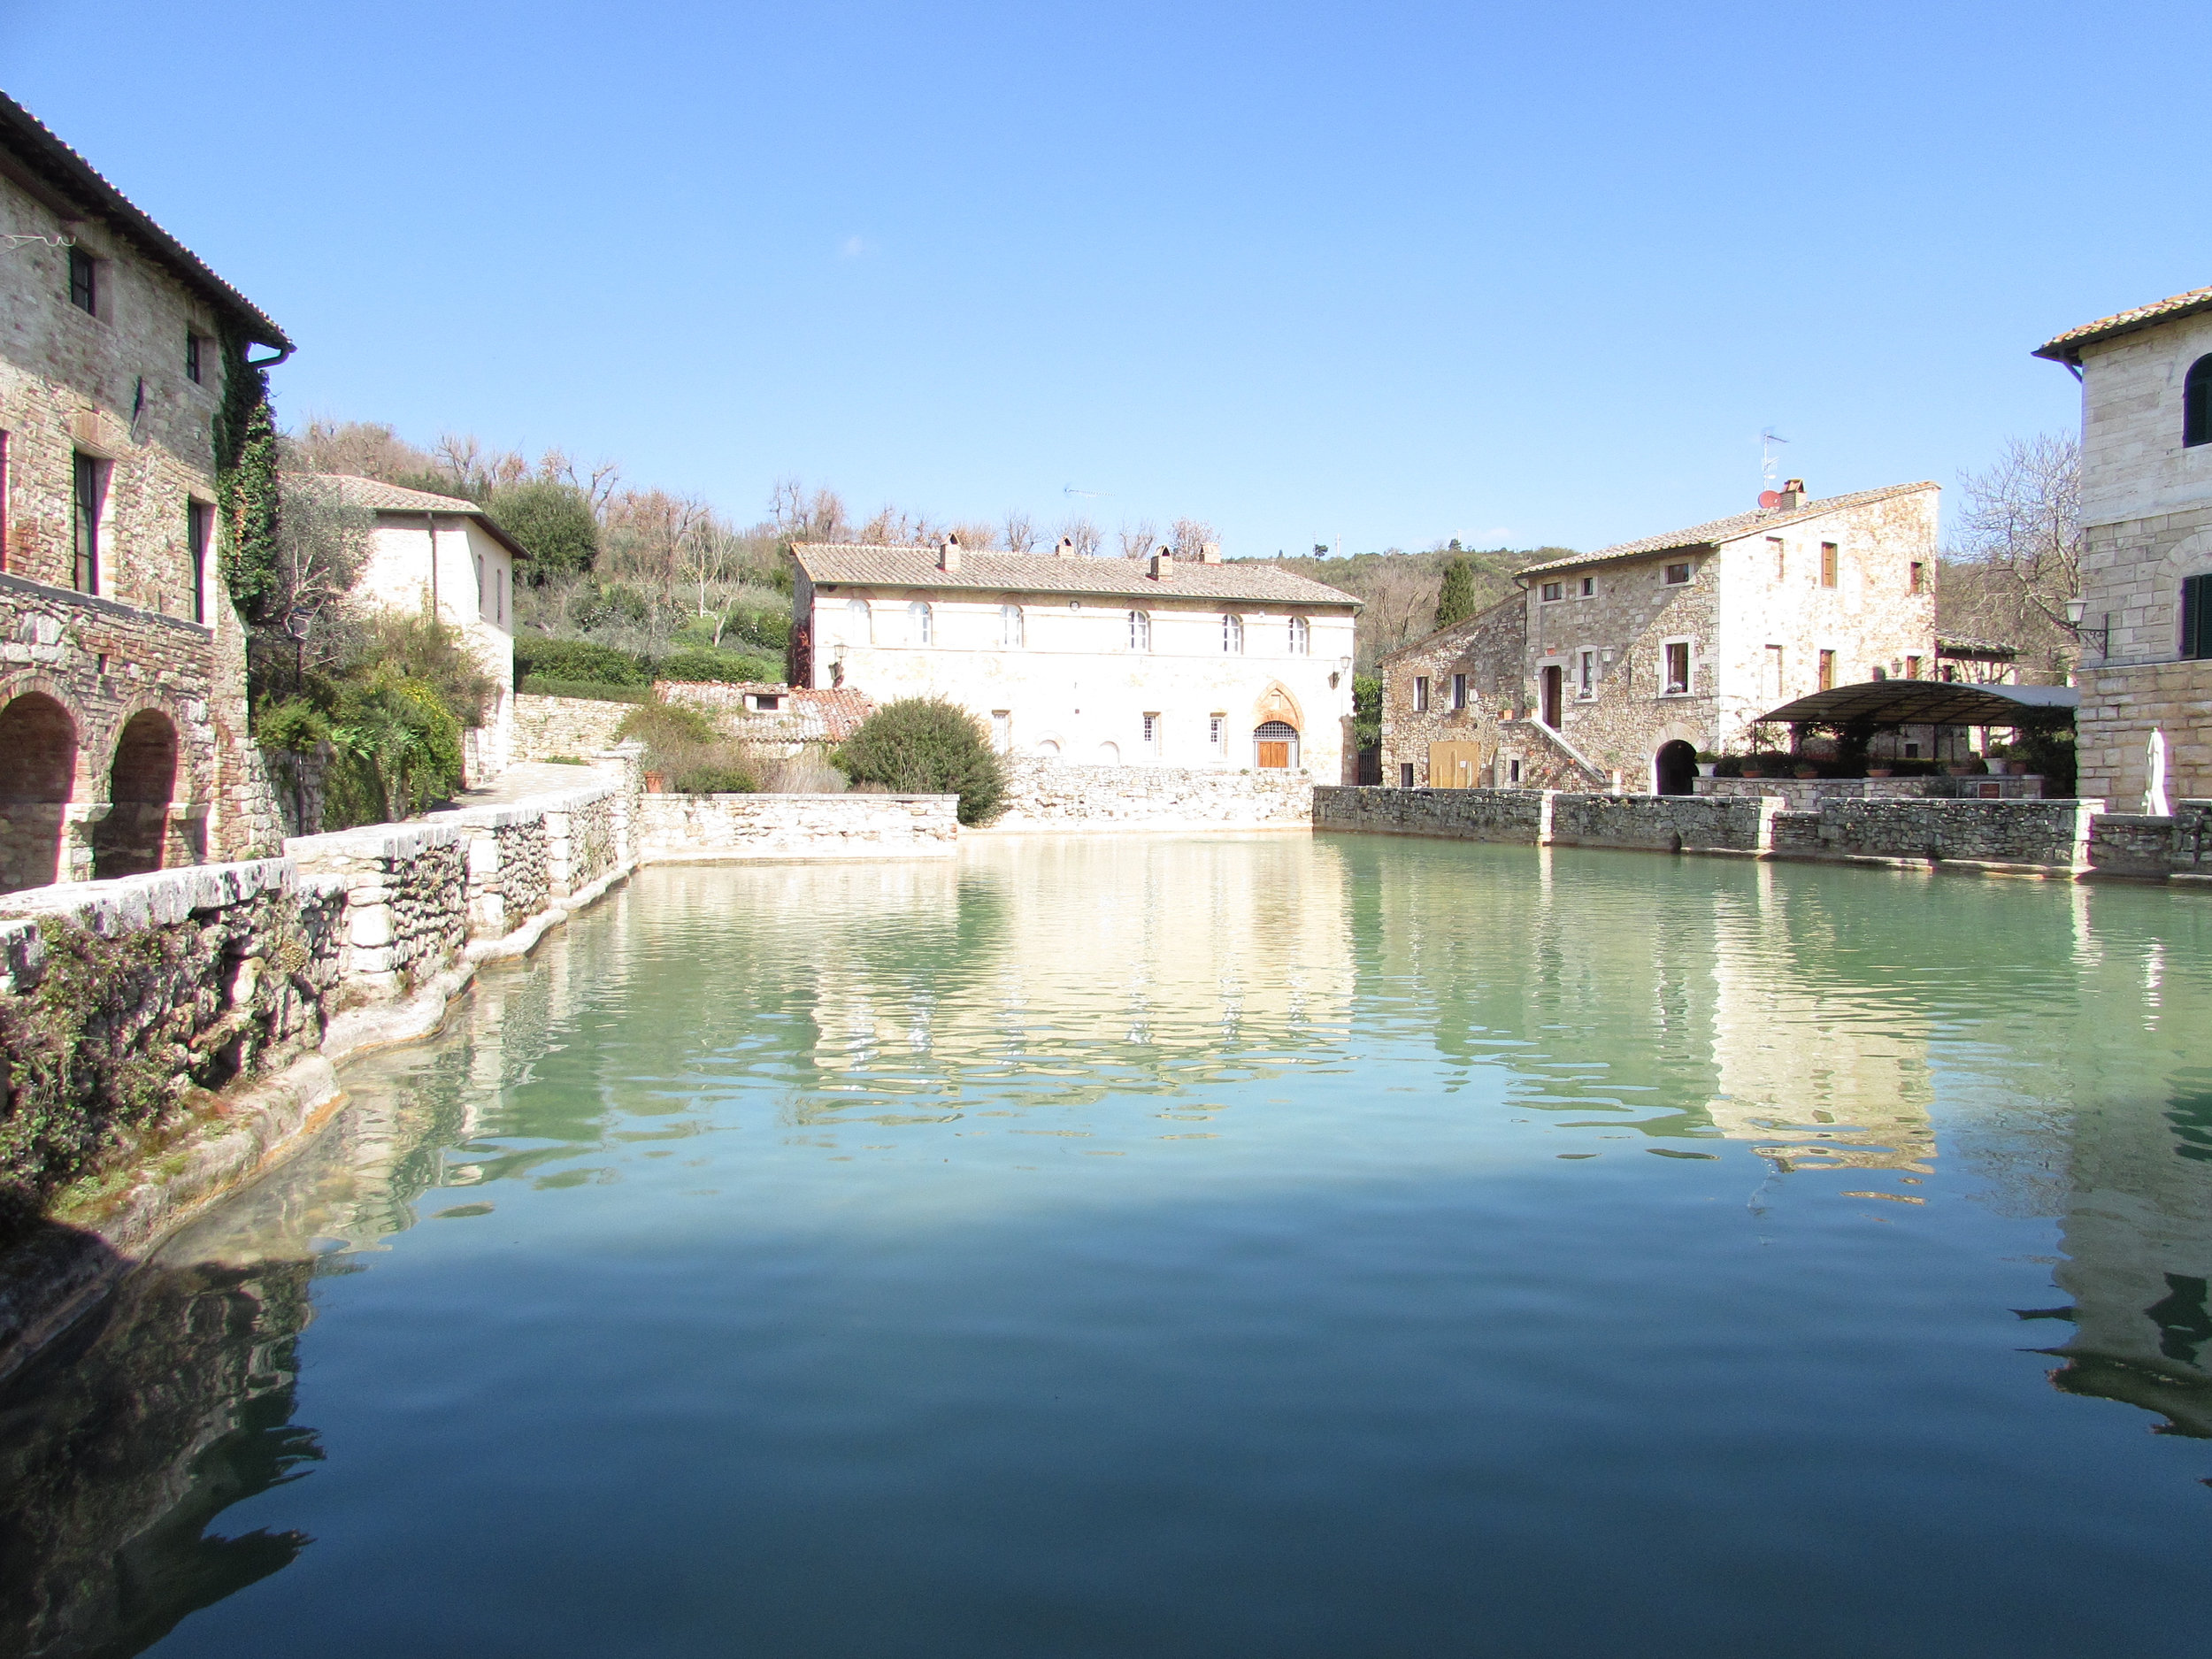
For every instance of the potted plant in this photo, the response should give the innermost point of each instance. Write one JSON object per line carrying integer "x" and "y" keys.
{"x": 1880, "y": 769}
{"x": 1806, "y": 769}
{"x": 1707, "y": 763}
{"x": 655, "y": 783}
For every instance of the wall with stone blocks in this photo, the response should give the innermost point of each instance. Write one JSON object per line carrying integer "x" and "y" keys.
{"x": 1663, "y": 823}
{"x": 571, "y": 727}
{"x": 2121, "y": 706}
{"x": 1056, "y": 795}
{"x": 677, "y": 828}
{"x": 1474, "y": 815}
{"x": 2052, "y": 834}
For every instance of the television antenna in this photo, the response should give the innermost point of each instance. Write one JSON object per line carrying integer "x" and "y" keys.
{"x": 1095, "y": 494}
{"x": 1767, "y": 459}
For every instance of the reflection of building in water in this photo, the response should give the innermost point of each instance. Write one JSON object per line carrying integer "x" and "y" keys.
{"x": 1811, "y": 1070}
{"x": 116, "y": 1454}
{"x": 1198, "y": 947}
{"x": 2137, "y": 1242}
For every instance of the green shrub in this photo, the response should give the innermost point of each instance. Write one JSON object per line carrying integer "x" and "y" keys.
{"x": 553, "y": 521}
{"x": 663, "y": 726}
{"x": 578, "y": 661}
{"x": 713, "y": 778}
{"x": 928, "y": 745}
{"x": 685, "y": 748}
{"x": 422, "y": 648}
{"x": 704, "y": 662}
{"x": 590, "y": 690}
{"x": 398, "y": 750}
{"x": 294, "y": 725}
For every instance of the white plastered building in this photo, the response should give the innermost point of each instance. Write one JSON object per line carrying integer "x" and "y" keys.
{"x": 445, "y": 553}
{"x": 1163, "y": 662}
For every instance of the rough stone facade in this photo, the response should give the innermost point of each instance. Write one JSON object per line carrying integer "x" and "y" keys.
{"x": 108, "y": 623}
{"x": 1047, "y": 795}
{"x": 679, "y": 828}
{"x": 1769, "y": 598}
{"x": 2146, "y": 523}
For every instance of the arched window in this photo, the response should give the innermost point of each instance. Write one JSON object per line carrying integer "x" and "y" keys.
{"x": 1232, "y": 634}
{"x": 1275, "y": 746}
{"x": 918, "y": 624}
{"x": 1300, "y": 636}
{"x": 1140, "y": 630}
{"x": 858, "y": 630}
{"x": 2196, "y": 404}
{"x": 1009, "y": 625}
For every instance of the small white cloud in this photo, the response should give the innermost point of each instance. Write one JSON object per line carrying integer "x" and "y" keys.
{"x": 854, "y": 247}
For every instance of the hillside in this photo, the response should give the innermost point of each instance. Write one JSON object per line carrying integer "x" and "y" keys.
{"x": 1398, "y": 591}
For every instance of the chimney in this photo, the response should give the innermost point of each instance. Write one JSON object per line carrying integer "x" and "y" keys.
{"x": 1066, "y": 549}
{"x": 948, "y": 556}
{"x": 1209, "y": 553}
{"x": 1164, "y": 564}
{"x": 1793, "y": 495}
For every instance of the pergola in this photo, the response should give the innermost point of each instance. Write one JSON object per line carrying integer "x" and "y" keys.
{"x": 1875, "y": 705}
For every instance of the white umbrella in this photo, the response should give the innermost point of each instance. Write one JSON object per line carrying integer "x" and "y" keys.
{"x": 2154, "y": 797}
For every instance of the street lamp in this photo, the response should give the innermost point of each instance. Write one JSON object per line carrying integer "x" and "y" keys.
{"x": 2076, "y": 609}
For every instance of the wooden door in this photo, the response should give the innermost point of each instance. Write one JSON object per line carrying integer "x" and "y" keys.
{"x": 1553, "y": 678}
{"x": 1274, "y": 754}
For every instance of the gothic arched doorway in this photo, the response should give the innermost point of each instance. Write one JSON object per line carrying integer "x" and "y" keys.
{"x": 1275, "y": 746}
{"x": 1674, "y": 768}
{"x": 128, "y": 840}
{"x": 38, "y": 773}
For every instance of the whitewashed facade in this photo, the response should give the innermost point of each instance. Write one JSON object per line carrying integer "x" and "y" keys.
{"x": 1189, "y": 663}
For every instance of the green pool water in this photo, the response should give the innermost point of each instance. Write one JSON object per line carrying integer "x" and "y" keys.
{"x": 1268, "y": 1246}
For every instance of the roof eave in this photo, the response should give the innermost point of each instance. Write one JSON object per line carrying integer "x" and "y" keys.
{"x": 56, "y": 171}
{"x": 2067, "y": 348}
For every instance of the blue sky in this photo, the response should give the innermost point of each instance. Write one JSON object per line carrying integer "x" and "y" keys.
{"x": 1389, "y": 273}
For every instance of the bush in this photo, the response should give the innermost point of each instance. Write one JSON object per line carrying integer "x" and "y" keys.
{"x": 578, "y": 661}
{"x": 590, "y": 690}
{"x": 398, "y": 750}
{"x": 704, "y": 662}
{"x": 295, "y": 726}
{"x": 685, "y": 747}
{"x": 928, "y": 745}
{"x": 424, "y": 649}
{"x": 553, "y": 521}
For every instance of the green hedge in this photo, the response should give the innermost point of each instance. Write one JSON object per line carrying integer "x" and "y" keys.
{"x": 580, "y": 662}
{"x": 591, "y": 690}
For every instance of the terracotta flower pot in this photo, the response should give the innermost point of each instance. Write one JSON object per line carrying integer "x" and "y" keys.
{"x": 1809, "y": 772}
{"x": 1750, "y": 771}
{"x": 655, "y": 783}
{"x": 1880, "y": 772}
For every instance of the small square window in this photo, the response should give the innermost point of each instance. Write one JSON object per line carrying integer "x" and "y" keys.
{"x": 1678, "y": 574}
{"x": 1554, "y": 590}
{"x": 1589, "y": 587}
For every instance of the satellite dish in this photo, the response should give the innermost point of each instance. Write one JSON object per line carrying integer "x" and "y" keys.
{"x": 1769, "y": 499}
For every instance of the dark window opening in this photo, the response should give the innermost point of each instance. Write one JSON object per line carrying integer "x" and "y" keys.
{"x": 2196, "y": 616}
{"x": 1459, "y": 691}
{"x": 1678, "y": 574}
{"x": 86, "y": 500}
{"x": 191, "y": 355}
{"x": 2196, "y": 404}
{"x": 1589, "y": 587}
{"x": 1553, "y": 590}
{"x": 1405, "y": 774}
{"x": 1677, "y": 668}
{"x": 200, "y": 525}
{"x": 84, "y": 282}
{"x": 1919, "y": 578}
{"x": 1420, "y": 694}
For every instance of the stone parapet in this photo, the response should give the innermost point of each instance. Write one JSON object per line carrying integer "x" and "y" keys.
{"x": 1047, "y": 795}
{"x": 685, "y": 828}
{"x": 565, "y": 727}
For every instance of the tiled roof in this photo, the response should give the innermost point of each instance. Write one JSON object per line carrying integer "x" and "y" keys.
{"x": 375, "y": 495}
{"x": 2066, "y": 347}
{"x": 808, "y": 716}
{"x": 840, "y": 564}
{"x": 63, "y": 172}
{"x": 1724, "y": 529}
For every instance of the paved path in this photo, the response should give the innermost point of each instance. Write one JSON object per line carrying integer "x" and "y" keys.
{"x": 519, "y": 783}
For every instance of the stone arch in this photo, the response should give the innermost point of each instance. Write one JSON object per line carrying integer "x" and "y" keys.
{"x": 2191, "y": 555}
{"x": 133, "y": 836}
{"x": 38, "y": 779}
{"x": 1276, "y": 703}
{"x": 1674, "y": 768}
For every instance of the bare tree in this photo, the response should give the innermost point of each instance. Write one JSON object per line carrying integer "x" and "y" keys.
{"x": 708, "y": 556}
{"x": 1401, "y": 606}
{"x": 2016, "y": 556}
{"x": 1084, "y": 534}
{"x": 1190, "y": 535}
{"x": 1138, "y": 539}
{"x": 1021, "y": 533}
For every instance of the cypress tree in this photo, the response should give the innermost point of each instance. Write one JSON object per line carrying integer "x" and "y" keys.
{"x": 1456, "y": 599}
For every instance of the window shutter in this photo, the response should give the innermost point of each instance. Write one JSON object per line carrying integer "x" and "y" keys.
{"x": 2196, "y": 616}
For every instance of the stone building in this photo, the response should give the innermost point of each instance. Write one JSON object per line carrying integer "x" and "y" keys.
{"x": 2146, "y": 663}
{"x": 1190, "y": 663}
{"x": 446, "y": 554}
{"x": 1613, "y": 669}
{"x": 123, "y": 742}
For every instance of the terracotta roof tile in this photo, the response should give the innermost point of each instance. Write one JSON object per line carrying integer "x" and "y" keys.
{"x": 373, "y": 494}
{"x": 2066, "y": 347}
{"x": 1717, "y": 530}
{"x": 846, "y": 565}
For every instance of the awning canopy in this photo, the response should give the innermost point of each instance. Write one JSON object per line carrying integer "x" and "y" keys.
{"x": 1930, "y": 703}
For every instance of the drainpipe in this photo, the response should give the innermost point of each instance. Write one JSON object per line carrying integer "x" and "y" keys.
{"x": 431, "y": 521}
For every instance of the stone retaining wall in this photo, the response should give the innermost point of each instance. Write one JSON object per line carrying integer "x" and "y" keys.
{"x": 2053, "y": 835}
{"x": 1054, "y": 795}
{"x": 569, "y": 727}
{"x": 677, "y": 828}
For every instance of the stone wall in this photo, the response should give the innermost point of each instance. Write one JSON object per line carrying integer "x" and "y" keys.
{"x": 2121, "y": 705}
{"x": 405, "y": 912}
{"x": 678, "y": 829}
{"x": 568, "y": 727}
{"x": 1805, "y": 794}
{"x": 1054, "y": 795}
{"x": 2052, "y": 835}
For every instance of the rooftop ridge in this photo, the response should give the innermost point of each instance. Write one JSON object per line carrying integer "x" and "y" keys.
{"x": 1729, "y": 528}
{"x": 2066, "y": 347}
